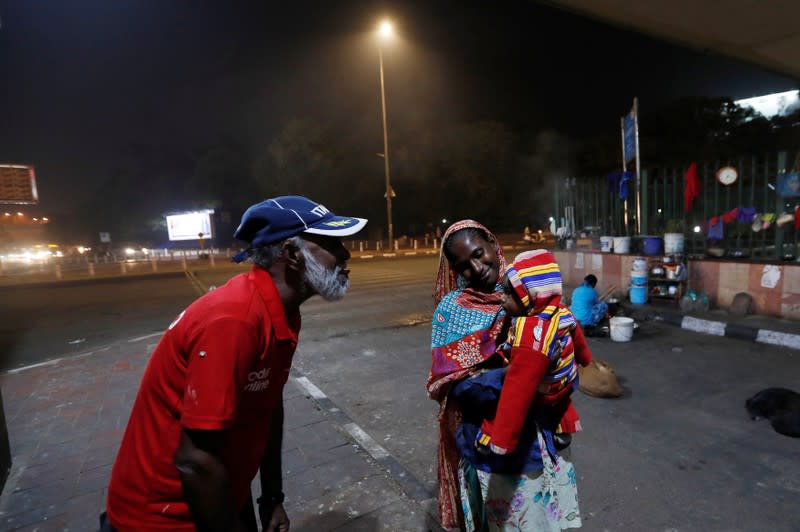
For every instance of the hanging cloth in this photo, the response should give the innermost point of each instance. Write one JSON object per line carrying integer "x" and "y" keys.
{"x": 746, "y": 215}
{"x": 731, "y": 215}
{"x": 623, "y": 184}
{"x": 692, "y": 189}
{"x": 716, "y": 229}
{"x": 612, "y": 180}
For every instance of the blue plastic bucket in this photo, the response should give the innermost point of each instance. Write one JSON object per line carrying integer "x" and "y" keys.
{"x": 638, "y": 278}
{"x": 638, "y": 295}
{"x": 653, "y": 245}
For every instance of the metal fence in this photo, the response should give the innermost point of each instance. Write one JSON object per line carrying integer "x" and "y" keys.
{"x": 598, "y": 208}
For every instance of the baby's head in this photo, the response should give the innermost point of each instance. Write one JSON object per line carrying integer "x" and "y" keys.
{"x": 532, "y": 284}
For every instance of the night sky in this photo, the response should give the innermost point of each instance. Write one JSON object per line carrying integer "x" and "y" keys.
{"x": 86, "y": 79}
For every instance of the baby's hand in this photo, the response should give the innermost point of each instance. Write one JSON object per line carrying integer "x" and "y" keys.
{"x": 482, "y": 449}
{"x": 482, "y": 443}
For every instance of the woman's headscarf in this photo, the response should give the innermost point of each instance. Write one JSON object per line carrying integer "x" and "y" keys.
{"x": 447, "y": 279}
{"x": 464, "y": 333}
{"x": 466, "y": 322}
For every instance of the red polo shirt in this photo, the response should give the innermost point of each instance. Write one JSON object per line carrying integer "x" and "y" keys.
{"x": 221, "y": 365}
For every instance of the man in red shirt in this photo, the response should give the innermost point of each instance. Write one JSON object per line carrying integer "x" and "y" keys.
{"x": 209, "y": 410}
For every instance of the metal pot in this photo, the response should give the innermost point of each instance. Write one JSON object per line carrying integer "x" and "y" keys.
{"x": 675, "y": 272}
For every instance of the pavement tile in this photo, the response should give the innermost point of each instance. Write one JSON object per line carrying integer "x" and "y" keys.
{"x": 300, "y": 412}
{"x": 318, "y": 437}
{"x": 36, "y": 522}
{"x": 293, "y": 461}
{"x": 46, "y": 473}
{"x": 338, "y": 474}
{"x": 337, "y": 508}
{"x": 399, "y": 515}
{"x": 93, "y": 480}
{"x": 329, "y": 455}
{"x": 101, "y": 456}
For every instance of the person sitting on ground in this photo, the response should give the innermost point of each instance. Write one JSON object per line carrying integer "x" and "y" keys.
{"x": 586, "y": 306}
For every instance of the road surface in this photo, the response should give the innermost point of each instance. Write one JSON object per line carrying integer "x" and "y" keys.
{"x": 677, "y": 452}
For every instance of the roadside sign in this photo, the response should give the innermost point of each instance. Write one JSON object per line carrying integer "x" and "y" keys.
{"x": 629, "y": 133}
{"x": 18, "y": 184}
{"x": 105, "y": 238}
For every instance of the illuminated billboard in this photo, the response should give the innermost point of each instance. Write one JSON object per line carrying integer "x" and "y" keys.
{"x": 189, "y": 225}
{"x": 18, "y": 184}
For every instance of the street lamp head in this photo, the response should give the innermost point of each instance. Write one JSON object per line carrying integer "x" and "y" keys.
{"x": 385, "y": 30}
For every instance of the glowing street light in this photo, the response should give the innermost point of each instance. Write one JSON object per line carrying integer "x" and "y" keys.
{"x": 385, "y": 32}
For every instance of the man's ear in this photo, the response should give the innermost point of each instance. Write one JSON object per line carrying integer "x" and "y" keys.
{"x": 292, "y": 255}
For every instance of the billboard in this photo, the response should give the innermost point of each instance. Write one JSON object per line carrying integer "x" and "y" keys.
{"x": 18, "y": 184}
{"x": 189, "y": 225}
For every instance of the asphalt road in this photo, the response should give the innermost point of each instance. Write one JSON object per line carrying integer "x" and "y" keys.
{"x": 677, "y": 452}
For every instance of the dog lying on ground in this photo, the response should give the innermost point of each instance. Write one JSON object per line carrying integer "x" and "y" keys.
{"x": 781, "y": 406}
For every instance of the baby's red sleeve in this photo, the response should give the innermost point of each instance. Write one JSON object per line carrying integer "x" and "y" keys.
{"x": 582, "y": 352}
{"x": 523, "y": 376}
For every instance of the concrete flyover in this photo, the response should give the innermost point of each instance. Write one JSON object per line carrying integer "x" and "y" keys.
{"x": 763, "y": 33}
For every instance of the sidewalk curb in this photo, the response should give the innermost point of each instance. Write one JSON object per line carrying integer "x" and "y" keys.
{"x": 405, "y": 480}
{"x": 719, "y": 328}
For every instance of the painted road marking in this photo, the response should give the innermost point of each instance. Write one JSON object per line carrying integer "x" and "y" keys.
{"x": 145, "y": 337}
{"x": 362, "y": 438}
{"x": 309, "y": 387}
{"x": 366, "y": 442}
{"x": 717, "y": 328}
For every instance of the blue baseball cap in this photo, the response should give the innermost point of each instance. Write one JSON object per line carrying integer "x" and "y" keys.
{"x": 277, "y": 219}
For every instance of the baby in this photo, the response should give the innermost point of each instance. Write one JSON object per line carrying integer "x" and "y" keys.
{"x": 543, "y": 347}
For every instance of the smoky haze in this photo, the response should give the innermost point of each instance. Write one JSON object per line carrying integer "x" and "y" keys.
{"x": 133, "y": 109}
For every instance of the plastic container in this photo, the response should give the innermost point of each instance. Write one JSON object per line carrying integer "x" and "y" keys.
{"x": 606, "y": 244}
{"x": 622, "y": 245}
{"x": 638, "y": 295}
{"x": 638, "y": 278}
{"x": 621, "y": 329}
{"x": 653, "y": 245}
{"x": 640, "y": 264}
{"x": 673, "y": 243}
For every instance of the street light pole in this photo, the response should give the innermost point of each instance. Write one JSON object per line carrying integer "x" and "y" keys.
{"x": 386, "y": 147}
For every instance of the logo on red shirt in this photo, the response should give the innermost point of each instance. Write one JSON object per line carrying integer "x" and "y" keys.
{"x": 257, "y": 381}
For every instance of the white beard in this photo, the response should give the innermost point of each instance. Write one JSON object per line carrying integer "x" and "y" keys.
{"x": 330, "y": 284}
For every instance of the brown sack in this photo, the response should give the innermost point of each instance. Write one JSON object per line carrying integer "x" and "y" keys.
{"x": 599, "y": 379}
